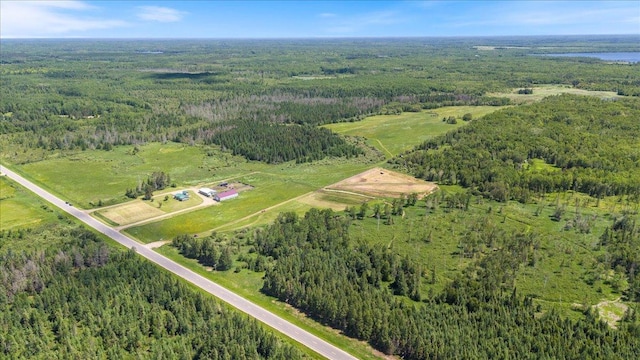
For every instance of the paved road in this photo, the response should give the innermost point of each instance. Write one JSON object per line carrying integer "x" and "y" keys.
{"x": 318, "y": 345}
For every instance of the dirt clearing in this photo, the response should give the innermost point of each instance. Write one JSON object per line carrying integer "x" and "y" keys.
{"x": 380, "y": 182}
{"x": 611, "y": 311}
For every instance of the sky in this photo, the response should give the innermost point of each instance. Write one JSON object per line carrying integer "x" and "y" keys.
{"x": 311, "y": 19}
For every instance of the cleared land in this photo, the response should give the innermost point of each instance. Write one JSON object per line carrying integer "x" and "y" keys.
{"x": 542, "y": 91}
{"x": 19, "y": 209}
{"x": 171, "y": 204}
{"x": 380, "y": 182}
{"x": 336, "y": 200}
{"x": 131, "y": 212}
{"x": 282, "y": 183}
{"x": 106, "y": 175}
{"x": 394, "y": 134}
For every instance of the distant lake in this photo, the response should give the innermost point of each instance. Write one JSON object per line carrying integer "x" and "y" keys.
{"x": 611, "y": 56}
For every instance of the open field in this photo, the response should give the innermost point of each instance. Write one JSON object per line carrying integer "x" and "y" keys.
{"x": 131, "y": 212}
{"x": 336, "y": 200}
{"x": 542, "y": 91}
{"x": 564, "y": 260}
{"x": 274, "y": 190}
{"x": 106, "y": 175}
{"x": 394, "y": 134}
{"x": 171, "y": 204}
{"x": 611, "y": 311}
{"x": 380, "y": 182}
{"x": 19, "y": 208}
{"x": 282, "y": 183}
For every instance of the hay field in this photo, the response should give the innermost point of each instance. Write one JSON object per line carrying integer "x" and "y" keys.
{"x": 131, "y": 212}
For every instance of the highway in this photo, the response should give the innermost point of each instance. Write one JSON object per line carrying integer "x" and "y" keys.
{"x": 311, "y": 341}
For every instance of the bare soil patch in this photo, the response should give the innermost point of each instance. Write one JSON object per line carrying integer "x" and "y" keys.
{"x": 157, "y": 244}
{"x": 131, "y": 212}
{"x": 380, "y": 182}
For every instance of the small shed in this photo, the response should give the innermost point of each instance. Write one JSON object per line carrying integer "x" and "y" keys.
{"x": 181, "y": 196}
{"x": 226, "y": 195}
{"x": 207, "y": 192}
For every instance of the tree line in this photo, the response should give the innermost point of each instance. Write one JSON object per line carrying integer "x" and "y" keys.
{"x": 589, "y": 144}
{"x": 207, "y": 251}
{"x": 362, "y": 290}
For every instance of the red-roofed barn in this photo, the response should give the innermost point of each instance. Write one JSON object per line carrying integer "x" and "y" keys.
{"x": 226, "y": 195}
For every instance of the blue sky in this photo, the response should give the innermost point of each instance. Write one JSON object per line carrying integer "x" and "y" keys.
{"x": 308, "y": 19}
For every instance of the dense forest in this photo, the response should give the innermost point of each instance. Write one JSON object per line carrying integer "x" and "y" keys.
{"x": 81, "y": 94}
{"x": 361, "y": 290}
{"x": 591, "y": 144}
{"x": 276, "y": 143}
{"x": 85, "y": 300}
{"x": 264, "y": 101}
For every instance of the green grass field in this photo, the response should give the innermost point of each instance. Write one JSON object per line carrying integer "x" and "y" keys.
{"x": 28, "y": 223}
{"x": 282, "y": 184}
{"x": 90, "y": 176}
{"x": 563, "y": 262}
{"x": 170, "y": 204}
{"x": 542, "y": 91}
{"x": 394, "y": 134}
{"x": 106, "y": 175}
{"x": 558, "y": 279}
{"x": 19, "y": 208}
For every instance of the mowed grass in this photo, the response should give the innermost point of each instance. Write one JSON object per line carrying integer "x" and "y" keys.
{"x": 271, "y": 189}
{"x": 130, "y": 212}
{"x": 19, "y": 208}
{"x": 170, "y": 204}
{"x": 88, "y": 177}
{"x": 394, "y": 134}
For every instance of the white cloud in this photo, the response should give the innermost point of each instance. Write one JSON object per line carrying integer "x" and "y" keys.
{"x": 161, "y": 14}
{"x": 327, "y": 15}
{"x": 24, "y": 19}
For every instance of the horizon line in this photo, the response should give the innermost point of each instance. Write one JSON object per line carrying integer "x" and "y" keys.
{"x": 317, "y": 37}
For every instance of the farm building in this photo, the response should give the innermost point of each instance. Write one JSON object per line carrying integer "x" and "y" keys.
{"x": 226, "y": 195}
{"x": 181, "y": 196}
{"x": 207, "y": 192}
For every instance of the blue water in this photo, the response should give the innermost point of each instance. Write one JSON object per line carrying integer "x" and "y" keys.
{"x": 612, "y": 56}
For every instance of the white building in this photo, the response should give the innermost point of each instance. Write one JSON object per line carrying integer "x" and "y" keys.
{"x": 207, "y": 192}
